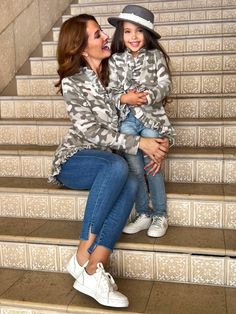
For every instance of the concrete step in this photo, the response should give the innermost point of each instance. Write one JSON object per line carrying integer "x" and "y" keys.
{"x": 173, "y": 44}
{"x": 183, "y": 83}
{"x": 200, "y": 255}
{"x": 161, "y": 14}
{"x": 46, "y": 292}
{"x": 189, "y": 205}
{"x": 189, "y": 133}
{"x": 187, "y": 63}
{"x": 170, "y": 29}
{"x": 182, "y": 106}
{"x": 162, "y": 4}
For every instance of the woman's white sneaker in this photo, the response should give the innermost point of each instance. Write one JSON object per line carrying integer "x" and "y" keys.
{"x": 74, "y": 268}
{"x": 158, "y": 227}
{"x": 99, "y": 287}
{"x": 141, "y": 222}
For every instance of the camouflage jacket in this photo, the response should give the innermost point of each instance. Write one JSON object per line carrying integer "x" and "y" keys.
{"x": 94, "y": 120}
{"x": 147, "y": 71}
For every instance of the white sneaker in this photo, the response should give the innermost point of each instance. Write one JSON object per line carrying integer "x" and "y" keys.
{"x": 158, "y": 227}
{"x": 98, "y": 286}
{"x": 74, "y": 268}
{"x": 141, "y": 222}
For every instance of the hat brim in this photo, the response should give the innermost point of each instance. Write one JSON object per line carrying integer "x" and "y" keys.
{"x": 114, "y": 20}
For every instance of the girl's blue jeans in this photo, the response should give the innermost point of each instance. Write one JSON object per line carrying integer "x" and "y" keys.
{"x": 111, "y": 197}
{"x": 133, "y": 126}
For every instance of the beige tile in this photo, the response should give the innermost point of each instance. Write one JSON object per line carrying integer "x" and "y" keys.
{"x": 18, "y": 226}
{"x": 231, "y": 300}
{"x": 58, "y": 230}
{"x": 42, "y": 288}
{"x": 185, "y": 299}
{"x": 8, "y": 278}
{"x": 192, "y": 240}
{"x": 230, "y": 242}
{"x": 131, "y": 288}
{"x": 139, "y": 240}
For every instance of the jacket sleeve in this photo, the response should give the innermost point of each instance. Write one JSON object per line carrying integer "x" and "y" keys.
{"x": 115, "y": 87}
{"x": 157, "y": 92}
{"x": 93, "y": 125}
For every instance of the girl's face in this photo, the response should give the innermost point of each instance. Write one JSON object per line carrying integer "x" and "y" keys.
{"x": 133, "y": 37}
{"x": 97, "y": 48}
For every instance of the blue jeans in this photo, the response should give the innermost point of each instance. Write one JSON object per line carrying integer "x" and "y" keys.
{"x": 111, "y": 197}
{"x": 133, "y": 126}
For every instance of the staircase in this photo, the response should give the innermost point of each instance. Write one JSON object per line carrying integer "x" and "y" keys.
{"x": 192, "y": 269}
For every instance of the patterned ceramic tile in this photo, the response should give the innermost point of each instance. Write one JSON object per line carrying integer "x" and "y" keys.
{"x": 36, "y": 206}
{"x": 181, "y": 171}
{"x": 231, "y": 272}
{"x": 10, "y": 166}
{"x": 11, "y": 205}
{"x": 208, "y": 214}
{"x": 7, "y": 109}
{"x": 230, "y": 171}
{"x": 32, "y": 167}
{"x": 65, "y": 253}
{"x": 23, "y": 109}
{"x": 48, "y": 135}
{"x": 186, "y": 136}
{"x": 138, "y": 265}
{"x": 230, "y": 215}
{"x": 63, "y": 207}
{"x": 209, "y": 136}
{"x": 43, "y": 257}
{"x": 8, "y": 135}
{"x": 207, "y": 270}
{"x": 209, "y": 171}
{"x": 179, "y": 212}
{"x": 42, "y": 109}
{"x": 14, "y": 255}
{"x": 27, "y": 135}
{"x": 172, "y": 267}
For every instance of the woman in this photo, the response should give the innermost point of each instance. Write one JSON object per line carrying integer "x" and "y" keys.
{"x": 85, "y": 159}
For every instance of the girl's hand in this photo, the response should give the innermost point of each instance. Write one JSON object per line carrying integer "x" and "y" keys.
{"x": 134, "y": 98}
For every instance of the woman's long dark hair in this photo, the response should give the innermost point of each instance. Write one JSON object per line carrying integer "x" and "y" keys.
{"x": 151, "y": 42}
{"x": 73, "y": 39}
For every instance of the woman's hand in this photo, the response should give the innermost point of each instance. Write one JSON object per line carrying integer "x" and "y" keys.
{"x": 155, "y": 148}
{"x": 134, "y": 98}
{"x": 154, "y": 168}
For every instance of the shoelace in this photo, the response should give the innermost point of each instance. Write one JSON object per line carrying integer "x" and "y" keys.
{"x": 105, "y": 278}
{"x": 157, "y": 220}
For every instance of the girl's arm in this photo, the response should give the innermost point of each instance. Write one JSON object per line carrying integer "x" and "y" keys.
{"x": 157, "y": 92}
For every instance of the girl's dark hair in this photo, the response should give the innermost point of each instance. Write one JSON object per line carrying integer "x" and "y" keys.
{"x": 73, "y": 39}
{"x": 151, "y": 42}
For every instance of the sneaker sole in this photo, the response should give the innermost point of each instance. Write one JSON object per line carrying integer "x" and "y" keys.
{"x": 102, "y": 301}
{"x": 135, "y": 230}
{"x": 156, "y": 235}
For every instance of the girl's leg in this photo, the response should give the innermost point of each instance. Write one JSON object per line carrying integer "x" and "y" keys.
{"x": 156, "y": 183}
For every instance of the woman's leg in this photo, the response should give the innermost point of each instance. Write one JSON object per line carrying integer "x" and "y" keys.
{"x": 105, "y": 175}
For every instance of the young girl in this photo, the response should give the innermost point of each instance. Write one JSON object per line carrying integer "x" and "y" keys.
{"x": 140, "y": 83}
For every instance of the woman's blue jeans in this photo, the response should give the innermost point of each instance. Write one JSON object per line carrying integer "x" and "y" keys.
{"x": 111, "y": 197}
{"x": 156, "y": 185}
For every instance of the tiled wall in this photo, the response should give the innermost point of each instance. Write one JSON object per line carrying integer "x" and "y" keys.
{"x": 23, "y": 25}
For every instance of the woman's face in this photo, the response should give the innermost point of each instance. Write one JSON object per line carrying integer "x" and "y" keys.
{"x": 97, "y": 47}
